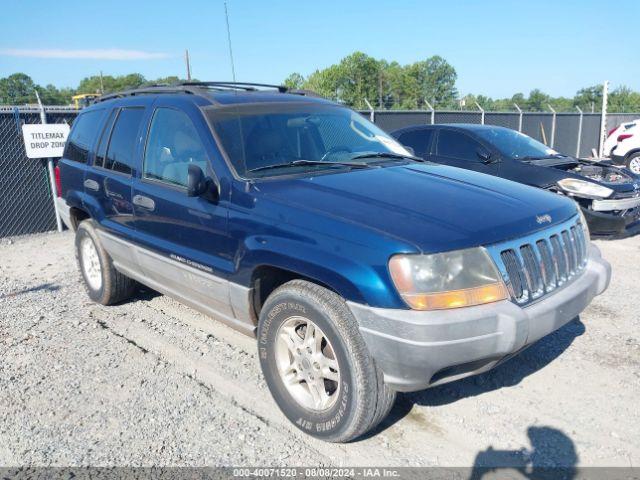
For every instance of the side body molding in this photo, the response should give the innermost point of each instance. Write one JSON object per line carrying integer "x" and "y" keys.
{"x": 214, "y": 296}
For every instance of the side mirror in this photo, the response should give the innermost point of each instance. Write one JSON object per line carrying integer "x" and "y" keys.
{"x": 198, "y": 185}
{"x": 410, "y": 150}
{"x": 484, "y": 155}
{"x": 195, "y": 181}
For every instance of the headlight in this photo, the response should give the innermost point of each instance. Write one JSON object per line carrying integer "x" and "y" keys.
{"x": 455, "y": 279}
{"x": 583, "y": 188}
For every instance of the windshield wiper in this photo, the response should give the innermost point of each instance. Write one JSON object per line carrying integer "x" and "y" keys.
{"x": 297, "y": 163}
{"x": 542, "y": 157}
{"x": 395, "y": 156}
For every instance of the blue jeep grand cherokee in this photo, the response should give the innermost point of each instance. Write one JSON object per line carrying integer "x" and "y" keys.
{"x": 360, "y": 269}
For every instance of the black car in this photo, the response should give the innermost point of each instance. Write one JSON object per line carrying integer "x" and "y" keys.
{"x": 608, "y": 195}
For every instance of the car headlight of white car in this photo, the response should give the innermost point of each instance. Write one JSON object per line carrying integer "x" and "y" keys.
{"x": 582, "y": 188}
{"x": 460, "y": 278}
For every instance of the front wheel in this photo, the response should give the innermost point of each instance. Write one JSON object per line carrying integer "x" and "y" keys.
{"x": 633, "y": 163}
{"x": 317, "y": 365}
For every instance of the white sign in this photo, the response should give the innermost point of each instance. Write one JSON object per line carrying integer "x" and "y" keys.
{"x": 45, "y": 141}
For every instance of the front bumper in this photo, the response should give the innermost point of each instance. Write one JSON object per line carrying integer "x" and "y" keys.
{"x": 419, "y": 349}
{"x": 606, "y": 224}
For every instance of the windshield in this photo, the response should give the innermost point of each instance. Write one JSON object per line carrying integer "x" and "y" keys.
{"x": 278, "y": 139}
{"x": 514, "y": 144}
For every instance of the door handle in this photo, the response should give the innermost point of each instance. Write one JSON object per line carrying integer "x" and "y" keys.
{"x": 144, "y": 202}
{"x": 91, "y": 185}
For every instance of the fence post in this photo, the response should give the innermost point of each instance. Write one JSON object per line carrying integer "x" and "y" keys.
{"x": 603, "y": 118}
{"x": 433, "y": 112}
{"x": 578, "y": 143}
{"x": 481, "y": 113}
{"x": 52, "y": 177}
{"x": 553, "y": 126}
{"x": 372, "y": 112}
{"x": 519, "y": 117}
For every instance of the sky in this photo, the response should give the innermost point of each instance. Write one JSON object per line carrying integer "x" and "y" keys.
{"x": 498, "y": 48}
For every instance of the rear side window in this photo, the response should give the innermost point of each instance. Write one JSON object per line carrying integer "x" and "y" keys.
{"x": 101, "y": 151}
{"x": 124, "y": 136}
{"x": 85, "y": 129}
{"x": 419, "y": 140}
{"x": 457, "y": 145}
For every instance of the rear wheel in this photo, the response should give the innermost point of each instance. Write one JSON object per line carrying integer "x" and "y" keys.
{"x": 317, "y": 366}
{"x": 633, "y": 163}
{"x": 104, "y": 284}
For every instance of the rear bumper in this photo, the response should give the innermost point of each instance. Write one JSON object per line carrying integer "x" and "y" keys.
{"x": 416, "y": 350}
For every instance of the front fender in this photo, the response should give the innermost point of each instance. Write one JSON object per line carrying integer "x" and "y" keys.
{"x": 358, "y": 274}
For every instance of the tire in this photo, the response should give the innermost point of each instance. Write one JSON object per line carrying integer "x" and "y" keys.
{"x": 633, "y": 163}
{"x": 104, "y": 284}
{"x": 355, "y": 398}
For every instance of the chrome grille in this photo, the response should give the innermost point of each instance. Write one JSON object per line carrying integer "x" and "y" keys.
{"x": 537, "y": 265}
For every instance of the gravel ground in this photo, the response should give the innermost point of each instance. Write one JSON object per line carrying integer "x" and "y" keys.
{"x": 151, "y": 382}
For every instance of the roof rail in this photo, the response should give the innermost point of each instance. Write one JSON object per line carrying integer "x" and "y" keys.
{"x": 200, "y": 88}
{"x": 149, "y": 90}
{"x": 233, "y": 85}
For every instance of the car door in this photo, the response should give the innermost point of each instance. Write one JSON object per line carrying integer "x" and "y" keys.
{"x": 458, "y": 149}
{"x": 108, "y": 184}
{"x": 419, "y": 139}
{"x": 187, "y": 252}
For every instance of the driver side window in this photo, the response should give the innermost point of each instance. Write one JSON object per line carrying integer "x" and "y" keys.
{"x": 457, "y": 145}
{"x": 173, "y": 144}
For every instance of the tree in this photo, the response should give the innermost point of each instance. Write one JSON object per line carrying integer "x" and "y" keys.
{"x": 537, "y": 101}
{"x": 589, "y": 98}
{"x": 17, "y": 89}
{"x": 433, "y": 80}
{"x": 51, "y": 95}
{"x": 388, "y": 85}
{"x": 95, "y": 84}
{"x": 295, "y": 81}
{"x": 623, "y": 99}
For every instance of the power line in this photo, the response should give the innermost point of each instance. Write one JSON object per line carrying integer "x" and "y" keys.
{"x": 233, "y": 68}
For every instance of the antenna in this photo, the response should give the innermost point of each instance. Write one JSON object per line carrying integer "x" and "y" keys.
{"x": 187, "y": 64}
{"x": 233, "y": 68}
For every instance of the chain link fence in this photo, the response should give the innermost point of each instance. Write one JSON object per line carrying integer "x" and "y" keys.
{"x": 25, "y": 192}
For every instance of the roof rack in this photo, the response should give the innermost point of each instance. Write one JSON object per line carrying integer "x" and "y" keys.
{"x": 200, "y": 88}
{"x": 151, "y": 89}
{"x": 248, "y": 86}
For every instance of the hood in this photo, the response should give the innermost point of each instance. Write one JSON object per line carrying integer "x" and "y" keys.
{"x": 621, "y": 180}
{"x": 433, "y": 207}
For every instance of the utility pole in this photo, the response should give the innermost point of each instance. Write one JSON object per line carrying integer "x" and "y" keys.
{"x": 187, "y": 64}
{"x": 101, "y": 84}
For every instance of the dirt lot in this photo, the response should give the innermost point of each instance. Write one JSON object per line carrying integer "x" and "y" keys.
{"x": 151, "y": 382}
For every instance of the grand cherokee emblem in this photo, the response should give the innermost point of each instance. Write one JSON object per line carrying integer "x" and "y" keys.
{"x": 543, "y": 219}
